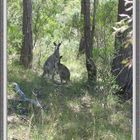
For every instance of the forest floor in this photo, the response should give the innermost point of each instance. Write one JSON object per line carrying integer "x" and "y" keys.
{"x": 73, "y": 111}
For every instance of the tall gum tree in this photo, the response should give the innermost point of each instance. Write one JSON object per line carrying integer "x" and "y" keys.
{"x": 27, "y": 46}
{"x": 92, "y": 27}
{"x": 90, "y": 65}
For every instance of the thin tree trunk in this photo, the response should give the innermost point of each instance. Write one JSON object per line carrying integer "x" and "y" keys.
{"x": 92, "y": 28}
{"x": 91, "y": 68}
{"x": 82, "y": 41}
{"x": 26, "y": 51}
{"x": 93, "y": 22}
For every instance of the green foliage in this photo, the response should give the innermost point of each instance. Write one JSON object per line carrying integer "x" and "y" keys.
{"x": 53, "y": 23}
{"x": 14, "y": 26}
{"x": 107, "y": 12}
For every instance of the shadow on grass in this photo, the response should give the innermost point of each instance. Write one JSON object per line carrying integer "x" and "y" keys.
{"x": 75, "y": 111}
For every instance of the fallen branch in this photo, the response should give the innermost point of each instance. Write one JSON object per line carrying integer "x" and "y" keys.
{"x": 24, "y": 98}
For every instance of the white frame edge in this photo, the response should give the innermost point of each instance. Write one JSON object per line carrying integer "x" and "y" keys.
{"x": 4, "y": 70}
{"x": 134, "y": 71}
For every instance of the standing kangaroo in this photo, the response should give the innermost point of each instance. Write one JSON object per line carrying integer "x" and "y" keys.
{"x": 50, "y": 63}
{"x": 63, "y": 71}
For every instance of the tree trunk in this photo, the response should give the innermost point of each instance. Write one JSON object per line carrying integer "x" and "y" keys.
{"x": 91, "y": 68}
{"x": 123, "y": 74}
{"x": 121, "y": 9}
{"x": 92, "y": 28}
{"x": 26, "y": 51}
{"x": 93, "y": 22}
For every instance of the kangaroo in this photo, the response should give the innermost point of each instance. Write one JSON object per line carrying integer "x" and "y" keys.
{"x": 49, "y": 65}
{"x": 63, "y": 71}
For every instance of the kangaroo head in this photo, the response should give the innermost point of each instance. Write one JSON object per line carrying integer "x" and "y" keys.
{"x": 57, "y": 46}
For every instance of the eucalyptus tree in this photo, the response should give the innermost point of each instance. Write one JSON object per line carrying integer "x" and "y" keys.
{"x": 92, "y": 26}
{"x": 90, "y": 65}
{"x": 27, "y": 46}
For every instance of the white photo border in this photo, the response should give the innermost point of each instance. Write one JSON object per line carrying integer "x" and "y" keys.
{"x": 5, "y": 69}
{"x": 136, "y": 74}
{"x": 134, "y": 71}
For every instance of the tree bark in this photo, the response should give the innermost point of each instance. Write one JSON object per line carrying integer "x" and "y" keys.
{"x": 27, "y": 46}
{"x": 121, "y": 9}
{"x": 91, "y": 68}
{"x": 82, "y": 44}
{"x": 123, "y": 74}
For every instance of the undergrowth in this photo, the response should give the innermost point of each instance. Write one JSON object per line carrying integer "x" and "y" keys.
{"x": 74, "y": 111}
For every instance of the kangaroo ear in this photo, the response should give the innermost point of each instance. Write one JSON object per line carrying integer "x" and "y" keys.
{"x": 59, "y": 44}
{"x": 54, "y": 44}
